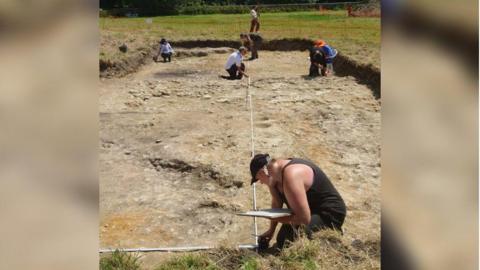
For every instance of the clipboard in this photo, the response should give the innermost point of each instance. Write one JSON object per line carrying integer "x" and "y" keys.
{"x": 268, "y": 213}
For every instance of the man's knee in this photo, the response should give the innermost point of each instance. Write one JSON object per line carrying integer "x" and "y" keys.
{"x": 316, "y": 224}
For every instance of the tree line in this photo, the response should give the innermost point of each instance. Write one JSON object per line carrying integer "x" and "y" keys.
{"x": 169, "y": 7}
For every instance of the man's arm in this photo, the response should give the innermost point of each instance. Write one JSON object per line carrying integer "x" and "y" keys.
{"x": 159, "y": 50}
{"x": 276, "y": 203}
{"x": 297, "y": 197}
{"x": 241, "y": 71}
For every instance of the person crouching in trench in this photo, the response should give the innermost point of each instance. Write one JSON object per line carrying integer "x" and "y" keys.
{"x": 305, "y": 189}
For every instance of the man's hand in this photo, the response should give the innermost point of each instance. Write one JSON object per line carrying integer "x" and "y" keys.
{"x": 244, "y": 74}
{"x": 267, "y": 235}
{"x": 264, "y": 239}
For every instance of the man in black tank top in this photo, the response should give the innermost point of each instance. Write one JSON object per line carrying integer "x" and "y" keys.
{"x": 305, "y": 189}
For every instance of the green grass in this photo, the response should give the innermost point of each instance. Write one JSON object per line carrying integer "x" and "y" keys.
{"x": 188, "y": 262}
{"x": 120, "y": 261}
{"x": 250, "y": 263}
{"x": 353, "y": 36}
{"x": 328, "y": 250}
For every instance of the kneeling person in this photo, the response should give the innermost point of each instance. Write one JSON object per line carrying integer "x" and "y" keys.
{"x": 330, "y": 53}
{"x": 305, "y": 189}
{"x": 317, "y": 61}
{"x": 165, "y": 51}
{"x": 235, "y": 66}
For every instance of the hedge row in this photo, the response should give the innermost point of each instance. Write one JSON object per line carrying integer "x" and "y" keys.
{"x": 196, "y": 10}
{"x": 237, "y": 9}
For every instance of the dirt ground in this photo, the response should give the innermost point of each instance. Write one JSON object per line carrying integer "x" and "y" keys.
{"x": 175, "y": 148}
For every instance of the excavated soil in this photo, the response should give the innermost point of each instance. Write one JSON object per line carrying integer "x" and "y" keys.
{"x": 365, "y": 74}
{"x": 175, "y": 148}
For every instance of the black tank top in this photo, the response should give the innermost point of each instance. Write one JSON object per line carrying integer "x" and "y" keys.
{"x": 322, "y": 195}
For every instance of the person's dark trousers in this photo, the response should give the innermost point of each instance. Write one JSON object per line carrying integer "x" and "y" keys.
{"x": 167, "y": 56}
{"x": 233, "y": 72}
{"x": 254, "y": 49}
{"x": 254, "y": 26}
{"x": 318, "y": 222}
{"x": 255, "y": 45}
{"x": 313, "y": 70}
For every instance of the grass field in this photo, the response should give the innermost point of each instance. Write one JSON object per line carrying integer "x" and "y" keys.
{"x": 326, "y": 251}
{"x": 358, "y": 38}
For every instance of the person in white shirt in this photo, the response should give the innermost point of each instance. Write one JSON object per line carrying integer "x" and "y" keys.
{"x": 234, "y": 65}
{"x": 255, "y": 24}
{"x": 165, "y": 51}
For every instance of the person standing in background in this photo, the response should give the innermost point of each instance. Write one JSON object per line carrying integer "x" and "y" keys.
{"x": 252, "y": 41}
{"x": 255, "y": 24}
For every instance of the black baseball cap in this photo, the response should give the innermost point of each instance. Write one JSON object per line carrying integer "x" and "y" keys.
{"x": 258, "y": 161}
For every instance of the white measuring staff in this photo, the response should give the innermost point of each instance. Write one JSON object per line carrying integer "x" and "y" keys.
{"x": 249, "y": 95}
{"x": 170, "y": 249}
